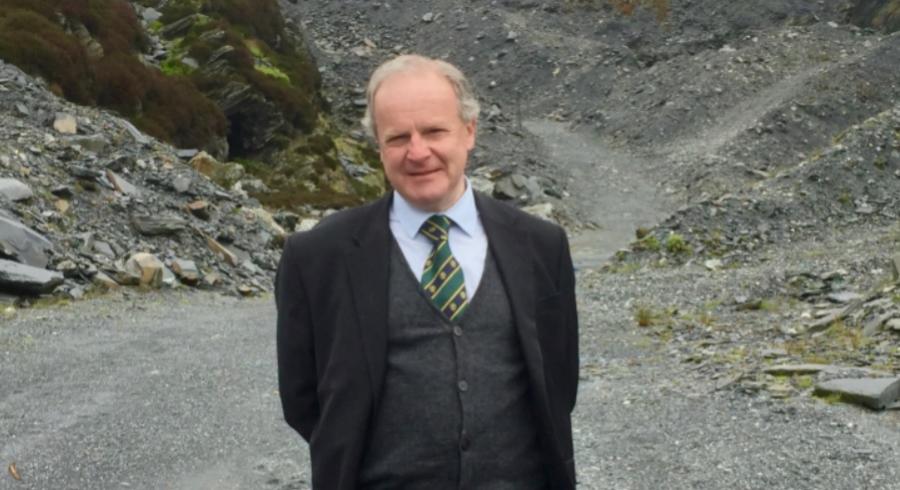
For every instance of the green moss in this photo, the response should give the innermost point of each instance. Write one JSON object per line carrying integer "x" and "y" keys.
{"x": 829, "y": 398}
{"x": 175, "y": 67}
{"x": 803, "y": 382}
{"x": 272, "y": 72}
{"x": 845, "y": 198}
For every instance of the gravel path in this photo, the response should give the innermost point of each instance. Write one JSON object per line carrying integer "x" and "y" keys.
{"x": 178, "y": 391}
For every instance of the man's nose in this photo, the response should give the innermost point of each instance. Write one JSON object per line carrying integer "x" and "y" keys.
{"x": 418, "y": 148}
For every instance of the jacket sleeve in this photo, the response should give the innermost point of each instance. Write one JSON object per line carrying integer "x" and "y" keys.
{"x": 570, "y": 318}
{"x": 297, "y": 381}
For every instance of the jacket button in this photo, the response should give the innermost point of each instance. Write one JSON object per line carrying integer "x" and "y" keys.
{"x": 458, "y": 331}
{"x": 463, "y": 386}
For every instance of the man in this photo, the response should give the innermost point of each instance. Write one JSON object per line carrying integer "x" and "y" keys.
{"x": 429, "y": 340}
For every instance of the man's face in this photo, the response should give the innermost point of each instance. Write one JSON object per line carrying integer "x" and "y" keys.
{"x": 423, "y": 142}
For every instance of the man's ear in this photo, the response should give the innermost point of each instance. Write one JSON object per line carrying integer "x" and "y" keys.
{"x": 471, "y": 131}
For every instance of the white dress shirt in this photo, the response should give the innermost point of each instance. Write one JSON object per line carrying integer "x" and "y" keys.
{"x": 468, "y": 243}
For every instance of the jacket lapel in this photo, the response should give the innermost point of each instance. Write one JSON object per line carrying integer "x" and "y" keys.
{"x": 368, "y": 260}
{"x": 513, "y": 253}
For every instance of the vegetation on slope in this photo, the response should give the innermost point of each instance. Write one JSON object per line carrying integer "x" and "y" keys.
{"x": 39, "y": 37}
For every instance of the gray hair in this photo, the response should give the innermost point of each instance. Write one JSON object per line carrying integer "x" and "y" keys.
{"x": 468, "y": 103}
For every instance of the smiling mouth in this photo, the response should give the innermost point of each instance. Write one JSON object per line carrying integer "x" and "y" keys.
{"x": 421, "y": 174}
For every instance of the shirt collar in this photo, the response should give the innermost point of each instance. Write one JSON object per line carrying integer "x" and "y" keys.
{"x": 463, "y": 213}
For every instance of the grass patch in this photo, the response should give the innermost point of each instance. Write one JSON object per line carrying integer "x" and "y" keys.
{"x": 803, "y": 382}
{"x": 676, "y": 244}
{"x": 648, "y": 243}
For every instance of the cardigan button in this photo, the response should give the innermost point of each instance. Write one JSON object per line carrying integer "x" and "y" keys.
{"x": 464, "y": 442}
{"x": 463, "y": 386}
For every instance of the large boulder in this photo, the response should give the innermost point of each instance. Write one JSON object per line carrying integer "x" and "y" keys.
{"x": 19, "y": 278}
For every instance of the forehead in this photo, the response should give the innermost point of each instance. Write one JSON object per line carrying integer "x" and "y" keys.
{"x": 415, "y": 90}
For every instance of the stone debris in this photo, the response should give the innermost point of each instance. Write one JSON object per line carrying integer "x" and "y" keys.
{"x": 80, "y": 200}
{"x": 875, "y": 393}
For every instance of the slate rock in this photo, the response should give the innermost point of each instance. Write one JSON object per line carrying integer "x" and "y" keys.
{"x": 158, "y": 225}
{"x": 23, "y": 244}
{"x": 135, "y": 133}
{"x": 14, "y": 190}
{"x": 482, "y": 184}
{"x": 306, "y": 224}
{"x": 505, "y": 189}
{"x": 181, "y": 183}
{"x": 223, "y": 252}
{"x": 843, "y": 296}
{"x": 24, "y": 279}
{"x": 875, "y": 393}
{"x": 199, "y": 209}
{"x": 122, "y": 185}
{"x": 187, "y": 153}
{"x": 95, "y": 143}
{"x": 103, "y": 280}
{"x": 797, "y": 369}
{"x": 542, "y": 210}
{"x": 186, "y": 270}
{"x": 63, "y": 191}
{"x": 893, "y": 324}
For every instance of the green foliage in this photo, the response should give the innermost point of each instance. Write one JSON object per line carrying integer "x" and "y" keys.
{"x": 647, "y": 316}
{"x": 174, "y": 67}
{"x": 675, "y": 244}
{"x": 644, "y": 316}
{"x": 648, "y": 243}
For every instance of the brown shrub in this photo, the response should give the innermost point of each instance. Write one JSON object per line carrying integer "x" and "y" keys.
{"x": 40, "y": 47}
{"x": 180, "y": 113}
{"x": 120, "y": 83}
{"x": 259, "y": 18}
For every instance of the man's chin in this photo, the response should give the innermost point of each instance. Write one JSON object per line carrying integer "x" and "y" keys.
{"x": 427, "y": 201}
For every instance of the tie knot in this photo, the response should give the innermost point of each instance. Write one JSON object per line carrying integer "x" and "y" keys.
{"x": 436, "y": 228}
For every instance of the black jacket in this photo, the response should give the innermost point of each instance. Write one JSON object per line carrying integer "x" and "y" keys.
{"x": 331, "y": 293}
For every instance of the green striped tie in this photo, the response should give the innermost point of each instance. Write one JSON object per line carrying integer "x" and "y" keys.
{"x": 443, "y": 277}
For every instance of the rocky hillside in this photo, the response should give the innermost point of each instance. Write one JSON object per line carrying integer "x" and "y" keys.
{"x": 89, "y": 203}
